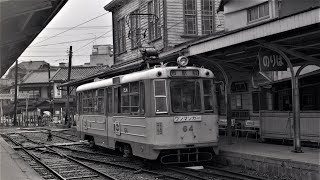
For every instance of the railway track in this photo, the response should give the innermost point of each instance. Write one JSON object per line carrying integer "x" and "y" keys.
{"x": 133, "y": 172}
{"x": 81, "y": 162}
{"x": 41, "y": 136}
{"x": 19, "y": 139}
{"x": 85, "y": 150}
{"x": 53, "y": 165}
{"x": 107, "y": 160}
{"x": 210, "y": 172}
{"x": 66, "y": 134}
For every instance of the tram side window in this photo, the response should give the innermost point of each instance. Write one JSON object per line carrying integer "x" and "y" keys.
{"x": 130, "y": 98}
{"x": 99, "y": 103}
{"x": 117, "y": 99}
{"x": 208, "y": 95}
{"x": 90, "y": 102}
{"x": 85, "y": 102}
{"x": 125, "y": 98}
{"x": 79, "y": 102}
{"x": 109, "y": 100}
{"x": 134, "y": 97}
{"x": 160, "y": 95}
{"x": 142, "y": 101}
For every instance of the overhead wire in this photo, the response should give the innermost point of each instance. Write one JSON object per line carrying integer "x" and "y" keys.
{"x": 72, "y": 35}
{"x": 64, "y": 42}
{"x": 71, "y": 28}
{"x": 82, "y": 27}
{"x": 92, "y": 41}
{"x": 56, "y": 55}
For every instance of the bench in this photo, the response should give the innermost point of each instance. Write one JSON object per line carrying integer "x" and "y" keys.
{"x": 223, "y": 125}
{"x": 250, "y": 126}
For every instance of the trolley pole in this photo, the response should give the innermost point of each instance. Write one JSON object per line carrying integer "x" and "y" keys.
{"x": 67, "y": 121}
{"x": 15, "y": 94}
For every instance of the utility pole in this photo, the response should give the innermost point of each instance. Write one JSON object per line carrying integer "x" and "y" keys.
{"x": 49, "y": 90}
{"x": 15, "y": 94}
{"x": 67, "y": 121}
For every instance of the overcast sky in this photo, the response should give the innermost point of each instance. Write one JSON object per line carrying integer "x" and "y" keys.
{"x": 75, "y": 12}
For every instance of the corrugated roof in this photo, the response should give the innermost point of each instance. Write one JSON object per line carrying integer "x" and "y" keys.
{"x": 77, "y": 72}
{"x": 38, "y": 77}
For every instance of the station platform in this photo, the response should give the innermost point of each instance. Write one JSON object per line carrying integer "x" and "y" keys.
{"x": 274, "y": 160}
{"x": 12, "y": 166}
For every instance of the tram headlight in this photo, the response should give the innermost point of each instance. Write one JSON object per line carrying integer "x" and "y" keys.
{"x": 182, "y": 61}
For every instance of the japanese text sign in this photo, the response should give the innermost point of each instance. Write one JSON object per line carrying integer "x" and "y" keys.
{"x": 271, "y": 61}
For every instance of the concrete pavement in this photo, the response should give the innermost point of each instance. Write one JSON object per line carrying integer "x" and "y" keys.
{"x": 13, "y": 167}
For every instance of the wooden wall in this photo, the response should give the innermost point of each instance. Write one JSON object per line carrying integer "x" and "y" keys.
{"x": 279, "y": 125}
{"x": 174, "y": 28}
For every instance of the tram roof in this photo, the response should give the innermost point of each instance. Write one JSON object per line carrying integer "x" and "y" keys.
{"x": 143, "y": 75}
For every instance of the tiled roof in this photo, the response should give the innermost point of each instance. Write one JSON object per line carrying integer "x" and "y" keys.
{"x": 32, "y": 65}
{"x": 77, "y": 72}
{"x": 38, "y": 77}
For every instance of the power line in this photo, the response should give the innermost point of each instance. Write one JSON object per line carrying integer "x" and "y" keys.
{"x": 77, "y": 34}
{"x": 82, "y": 27}
{"x": 79, "y": 28}
{"x": 91, "y": 41}
{"x": 65, "y": 42}
{"x": 72, "y": 28}
{"x": 54, "y": 55}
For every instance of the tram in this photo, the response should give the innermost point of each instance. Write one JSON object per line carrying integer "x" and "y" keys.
{"x": 166, "y": 113}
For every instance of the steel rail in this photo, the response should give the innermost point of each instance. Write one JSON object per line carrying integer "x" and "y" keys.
{"x": 223, "y": 173}
{"x": 184, "y": 172}
{"x": 50, "y": 169}
{"x": 36, "y": 158}
{"x": 82, "y": 164}
{"x": 59, "y": 136}
{"x": 124, "y": 166}
{"x": 62, "y": 132}
{"x": 36, "y": 142}
{"x": 246, "y": 176}
{"x": 82, "y": 151}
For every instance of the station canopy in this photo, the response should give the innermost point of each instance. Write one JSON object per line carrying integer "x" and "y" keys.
{"x": 20, "y": 23}
{"x": 296, "y": 35}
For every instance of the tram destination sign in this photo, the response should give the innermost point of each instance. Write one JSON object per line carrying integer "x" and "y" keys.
{"x": 271, "y": 61}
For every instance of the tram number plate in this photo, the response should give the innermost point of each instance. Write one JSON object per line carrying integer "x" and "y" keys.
{"x": 186, "y": 118}
{"x": 117, "y": 128}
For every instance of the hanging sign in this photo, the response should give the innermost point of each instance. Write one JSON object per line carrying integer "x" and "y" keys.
{"x": 271, "y": 61}
{"x": 57, "y": 92}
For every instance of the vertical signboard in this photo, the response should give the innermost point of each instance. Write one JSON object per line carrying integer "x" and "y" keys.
{"x": 57, "y": 92}
{"x": 271, "y": 61}
{"x": 12, "y": 91}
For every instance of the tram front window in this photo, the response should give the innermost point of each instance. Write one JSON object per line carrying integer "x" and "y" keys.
{"x": 185, "y": 96}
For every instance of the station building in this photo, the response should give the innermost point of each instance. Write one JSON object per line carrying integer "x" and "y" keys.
{"x": 285, "y": 31}
{"x": 259, "y": 97}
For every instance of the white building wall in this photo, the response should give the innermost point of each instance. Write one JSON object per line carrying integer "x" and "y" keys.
{"x": 101, "y": 59}
{"x": 235, "y": 12}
